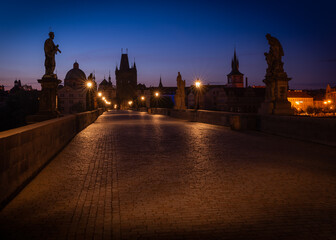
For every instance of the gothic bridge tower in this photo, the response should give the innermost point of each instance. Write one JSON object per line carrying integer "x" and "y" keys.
{"x": 126, "y": 81}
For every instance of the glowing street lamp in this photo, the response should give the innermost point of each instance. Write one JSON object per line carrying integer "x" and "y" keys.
{"x": 100, "y": 94}
{"x": 104, "y": 98}
{"x": 89, "y": 84}
{"x": 142, "y": 98}
{"x": 130, "y": 103}
{"x": 157, "y": 94}
{"x": 198, "y": 83}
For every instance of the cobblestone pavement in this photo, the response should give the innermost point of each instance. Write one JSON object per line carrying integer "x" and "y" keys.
{"x": 137, "y": 176}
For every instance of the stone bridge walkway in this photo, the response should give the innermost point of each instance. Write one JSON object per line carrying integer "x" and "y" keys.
{"x": 137, "y": 176}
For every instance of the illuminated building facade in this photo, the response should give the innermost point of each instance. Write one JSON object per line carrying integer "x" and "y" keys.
{"x": 300, "y": 100}
{"x": 331, "y": 94}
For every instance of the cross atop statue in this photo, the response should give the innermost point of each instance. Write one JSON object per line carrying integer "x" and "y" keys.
{"x": 50, "y": 50}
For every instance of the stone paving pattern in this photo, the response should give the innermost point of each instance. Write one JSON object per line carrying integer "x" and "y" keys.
{"x": 131, "y": 175}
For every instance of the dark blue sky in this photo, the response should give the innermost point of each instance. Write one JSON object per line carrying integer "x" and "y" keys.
{"x": 196, "y": 38}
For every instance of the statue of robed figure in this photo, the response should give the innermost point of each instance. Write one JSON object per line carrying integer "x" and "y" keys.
{"x": 50, "y": 50}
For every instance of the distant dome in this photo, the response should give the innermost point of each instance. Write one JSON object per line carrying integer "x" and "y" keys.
{"x": 75, "y": 73}
{"x": 74, "y": 77}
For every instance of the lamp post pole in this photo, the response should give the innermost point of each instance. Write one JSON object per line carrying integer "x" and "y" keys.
{"x": 156, "y": 94}
{"x": 198, "y": 85}
{"x": 89, "y": 86}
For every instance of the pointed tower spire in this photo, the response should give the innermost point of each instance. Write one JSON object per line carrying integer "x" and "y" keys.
{"x": 109, "y": 78}
{"x": 160, "y": 84}
{"x": 235, "y": 62}
{"x": 235, "y": 78}
{"x": 134, "y": 66}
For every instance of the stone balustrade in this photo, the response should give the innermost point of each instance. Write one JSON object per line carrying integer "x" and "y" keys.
{"x": 319, "y": 130}
{"x": 24, "y": 151}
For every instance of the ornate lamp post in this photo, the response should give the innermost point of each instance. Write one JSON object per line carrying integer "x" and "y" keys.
{"x": 156, "y": 95}
{"x": 142, "y": 98}
{"x": 89, "y": 86}
{"x": 198, "y": 86}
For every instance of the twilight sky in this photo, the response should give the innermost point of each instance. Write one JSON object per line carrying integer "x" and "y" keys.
{"x": 196, "y": 38}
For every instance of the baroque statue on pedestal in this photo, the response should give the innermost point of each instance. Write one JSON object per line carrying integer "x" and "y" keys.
{"x": 180, "y": 93}
{"x": 276, "y": 81}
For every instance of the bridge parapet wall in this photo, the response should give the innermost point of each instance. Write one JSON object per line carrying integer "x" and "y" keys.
{"x": 237, "y": 121}
{"x": 319, "y": 130}
{"x": 26, "y": 150}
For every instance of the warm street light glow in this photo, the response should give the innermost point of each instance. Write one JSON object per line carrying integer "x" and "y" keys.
{"x": 89, "y": 84}
{"x": 130, "y": 103}
{"x": 297, "y": 103}
{"x": 329, "y": 101}
{"x": 104, "y": 98}
{"x": 325, "y": 102}
{"x": 100, "y": 94}
{"x": 157, "y": 94}
{"x": 115, "y": 106}
{"x": 198, "y": 83}
{"x": 142, "y": 98}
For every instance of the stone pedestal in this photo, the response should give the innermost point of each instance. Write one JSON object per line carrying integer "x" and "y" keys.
{"x": 283, "y": 108}
{"x": 48, "y": 95}
{"x": 47, "y": 100}
{"x": 276, "y": 96}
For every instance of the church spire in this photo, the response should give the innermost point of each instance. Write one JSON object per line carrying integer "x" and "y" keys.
{"x": 235, "y": 78}
{"x": 235, "y": 62}
{"x": 160, "y": 84}
{"x": 109, "y": 78}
